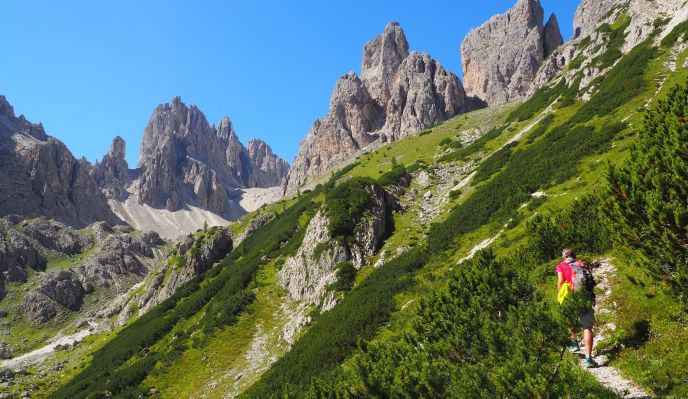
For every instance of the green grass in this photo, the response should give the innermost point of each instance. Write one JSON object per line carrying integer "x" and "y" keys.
{"x": 650, "y": 344}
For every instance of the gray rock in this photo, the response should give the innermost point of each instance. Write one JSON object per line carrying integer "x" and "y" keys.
{"x": 307, "y": 274}
{"x": 38, "y": 308}
{"x": 5, "y": 351}
{"x": 268, "y": 170}
{"x": 186, "y": 160}
{"x": 422, "y": 94}
{"x": 398, "y": 94}
{"x": 501, "y": 57}
{"x": 112, "y": 173}
{"x": 551, "y": 36}
{"x": 6, "y": 373}
{"x": 56, "y": 236}
{"x": 209, "y": 252}
{"x": 3, "y": 313}
{"x": 40, "y": 177}
{"x": 254, "y": 225}
{"x": 65, "y": 288}
{"x": 382, "y": 57}
{"x": 17, "y": 253}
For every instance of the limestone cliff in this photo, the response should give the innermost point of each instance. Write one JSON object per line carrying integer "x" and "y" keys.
{"x": 398, "y": 93}
{"x": 501, "y": 57}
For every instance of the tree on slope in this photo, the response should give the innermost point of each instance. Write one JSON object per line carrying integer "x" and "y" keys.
{"x": 647, "y": 206}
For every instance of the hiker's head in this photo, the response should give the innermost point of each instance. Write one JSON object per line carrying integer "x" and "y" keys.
{"x": 568, "y": 253}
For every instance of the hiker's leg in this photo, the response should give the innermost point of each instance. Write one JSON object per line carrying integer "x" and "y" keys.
{"x": 587, "y": 334}
{"x": 587, "y": 322}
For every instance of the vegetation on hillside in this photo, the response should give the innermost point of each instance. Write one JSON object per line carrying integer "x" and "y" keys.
{"x": 647, "y": 195}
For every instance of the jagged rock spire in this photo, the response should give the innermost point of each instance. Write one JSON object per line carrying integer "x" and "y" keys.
{"x": 501, "y": 57}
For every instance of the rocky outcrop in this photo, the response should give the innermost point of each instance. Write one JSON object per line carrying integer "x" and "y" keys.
{"x": 56, "y": 236}
{"x": 38, "y": 308}
{"x": 398, "y": 94}
{"x": 382, "y": 57}
{"x": 501, "y": 57}
{"x": 112, "y": 173}
{"x": 551, "y": 36}
{"x": 17, "y": 254}
{"x": 197, "y": 254}
{"x": 65, "y": 288}
{"x": 423, "y": 94}
{"x": 589, "y": 14}
{"x": 40, "y": 177}
{"x": 307, "y": 274}
{"x": 185, "y": 160}
{"x": 254, "y": 225}
{"x": 589, "y": 17}
{"x": 117, "y": 260}
{"x": 267, "y": 169}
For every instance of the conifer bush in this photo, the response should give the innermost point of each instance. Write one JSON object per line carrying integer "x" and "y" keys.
{"x": 647, "y": 207}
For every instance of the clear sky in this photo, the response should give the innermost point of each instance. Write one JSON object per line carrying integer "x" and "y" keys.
{"x": 90, "y": 70}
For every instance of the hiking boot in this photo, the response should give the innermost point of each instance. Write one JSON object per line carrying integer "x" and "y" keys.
{"x": 574, "y": 347}
{"x": 589, "y": 362}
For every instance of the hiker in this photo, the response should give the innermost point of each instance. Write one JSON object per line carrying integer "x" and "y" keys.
{"x": 578, "y": 278}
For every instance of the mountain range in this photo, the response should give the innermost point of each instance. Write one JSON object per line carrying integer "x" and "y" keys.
{"x": 407, "y": 251}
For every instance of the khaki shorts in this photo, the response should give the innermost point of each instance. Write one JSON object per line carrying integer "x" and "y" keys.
{"x": 588, "y": 319}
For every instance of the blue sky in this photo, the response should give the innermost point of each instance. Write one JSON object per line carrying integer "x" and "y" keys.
{"x": 90, "y": 70}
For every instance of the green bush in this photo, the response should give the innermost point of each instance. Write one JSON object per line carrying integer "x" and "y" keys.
{"x": 345, "y": 205}
{"x": 397, "y": 176}
{"x": 346, "y": 276}
{"x": 678, "y": 32}
{"x": 648, "y": 194}
{"x": 486, "y": 335}
{"x": 463, "y": 153}
{"x": 494, "y": 163}
{"x": 336, "y": 333}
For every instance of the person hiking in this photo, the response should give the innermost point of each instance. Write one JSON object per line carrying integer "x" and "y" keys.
{"x": 580, "y": 283}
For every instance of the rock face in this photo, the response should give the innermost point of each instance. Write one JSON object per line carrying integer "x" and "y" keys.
{"x": 590, "y": 15}
{"x": 119, "y": 259}
{"x": 398, "y": 94}
{"x": 17, "y": 254}
{"x": 268, "y": 170}
{"x": 184, "y": 160}
{"x": 551, "y": 36}
{"x": 501, "y": 57}
{"x": 307, "y": 275}
{"x": 199, "y": 254}
{"x": 40, "y": 177}
{"x": 112, "y": 173}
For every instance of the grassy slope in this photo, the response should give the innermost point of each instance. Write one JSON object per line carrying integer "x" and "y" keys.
{"x": 589, "y": 179}
{"x": 200, "y": 368}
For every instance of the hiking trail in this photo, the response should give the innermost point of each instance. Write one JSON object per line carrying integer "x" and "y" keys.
{"x": 607, "y": 375}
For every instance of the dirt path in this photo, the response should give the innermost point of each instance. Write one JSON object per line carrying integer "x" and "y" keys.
{"x": 610, "y": 376}
{"x": 46, "y": 351}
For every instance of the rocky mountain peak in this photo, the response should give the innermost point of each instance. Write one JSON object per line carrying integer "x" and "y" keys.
{"x": 501, "y": 57}
{"x": 552, "y": 35}
{"x": 185, "y": 160}
{"x": 382, "y": 57}
{"x": 40, "y": 176}
{"x": 117, "y": 148}
{"x": 112, "y": 172}
{"x": 398, "y": 94}
{"x": 6, "y": 109}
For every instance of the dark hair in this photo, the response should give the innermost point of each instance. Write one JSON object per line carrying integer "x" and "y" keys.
{"x": 568, "y": 253}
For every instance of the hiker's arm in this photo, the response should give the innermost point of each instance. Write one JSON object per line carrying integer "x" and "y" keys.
{"x": 560, "y": 280}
